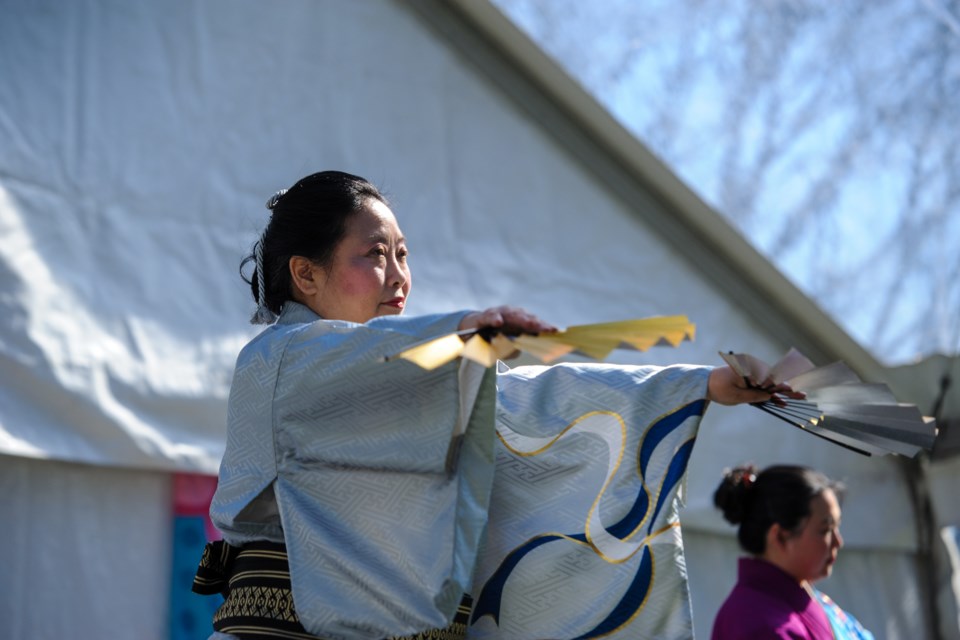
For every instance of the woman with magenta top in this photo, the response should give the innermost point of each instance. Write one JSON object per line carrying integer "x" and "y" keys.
{"x": 789, "y": 524}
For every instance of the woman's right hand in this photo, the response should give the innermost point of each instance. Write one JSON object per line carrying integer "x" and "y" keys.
{"x": 509, "y": 320}
{"x": 725, "y": 386}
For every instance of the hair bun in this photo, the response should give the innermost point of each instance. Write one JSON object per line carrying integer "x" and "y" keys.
{"x": 733, "y": 496}
{"x": 275, "y": 198}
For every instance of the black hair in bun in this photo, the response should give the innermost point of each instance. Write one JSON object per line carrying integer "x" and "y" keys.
{"x": 732, "y": 497}
{"x": 309, "y": 219}
{"x": 779, "y": 494}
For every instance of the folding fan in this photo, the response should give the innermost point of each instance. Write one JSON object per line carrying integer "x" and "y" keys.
{"x": 839, "y": 406}
{"x": 591, "y": 340}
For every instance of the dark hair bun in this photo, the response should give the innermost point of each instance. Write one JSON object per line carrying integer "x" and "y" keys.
{"x": 734, "y": 495}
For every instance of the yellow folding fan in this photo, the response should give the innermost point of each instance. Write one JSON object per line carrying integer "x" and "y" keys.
{"x": 591, "y": 340}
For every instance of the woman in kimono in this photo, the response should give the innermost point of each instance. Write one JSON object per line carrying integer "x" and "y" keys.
{"x": 789, "y": 523}
{"x": 354, "y": 490}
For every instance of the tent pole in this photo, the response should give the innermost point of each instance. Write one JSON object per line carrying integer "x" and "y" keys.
{"x": 916, "y": 472}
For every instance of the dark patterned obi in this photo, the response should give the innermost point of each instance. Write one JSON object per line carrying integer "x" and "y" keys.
{"x": 258, "y": 603}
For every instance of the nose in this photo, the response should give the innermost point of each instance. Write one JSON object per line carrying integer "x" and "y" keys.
{"x": 838, "y": 540}
{"x": 397, "y": 275}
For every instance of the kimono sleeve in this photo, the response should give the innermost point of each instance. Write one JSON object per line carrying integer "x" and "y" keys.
{"x": 383, "y": 480}
{"x": 584, "y": 537}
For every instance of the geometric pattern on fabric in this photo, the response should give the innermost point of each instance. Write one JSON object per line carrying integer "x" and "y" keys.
{"x": 374, "y": 474}
{"x": 213, "y": 573}
{"x": 584, "y": 538}
{"x": 259, "y": 602}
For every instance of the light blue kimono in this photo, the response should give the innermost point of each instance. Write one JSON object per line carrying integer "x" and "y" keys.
{"x": 356, "y": 465}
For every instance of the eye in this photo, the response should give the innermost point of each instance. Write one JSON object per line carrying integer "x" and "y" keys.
{"x": 378, "y": 251}
{"x": 402, "y": 254}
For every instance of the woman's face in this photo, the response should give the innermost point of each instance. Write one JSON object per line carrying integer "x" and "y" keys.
{"x": 368, "y": 275}
{"x": 812, "y": 552}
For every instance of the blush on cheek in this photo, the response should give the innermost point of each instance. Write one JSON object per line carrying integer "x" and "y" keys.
{"x": 356, "y": 287}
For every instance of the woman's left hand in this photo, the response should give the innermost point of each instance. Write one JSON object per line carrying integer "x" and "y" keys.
{"x": 725, "y": 386}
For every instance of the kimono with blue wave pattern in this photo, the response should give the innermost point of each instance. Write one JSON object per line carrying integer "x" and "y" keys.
{"x": 346, "y": 459}
{"x": 583, "y": 539}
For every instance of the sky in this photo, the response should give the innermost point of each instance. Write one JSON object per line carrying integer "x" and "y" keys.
{"x": 824, "y": 140}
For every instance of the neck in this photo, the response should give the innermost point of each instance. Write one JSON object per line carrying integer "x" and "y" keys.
{"x": 779, "y": 562}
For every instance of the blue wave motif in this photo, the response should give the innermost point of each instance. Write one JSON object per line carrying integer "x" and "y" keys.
{"x": 654, "y": 436}
{"x": 633, "y": 598}
{"x": 678, "y": 465}
{"x": 489, "y": 600}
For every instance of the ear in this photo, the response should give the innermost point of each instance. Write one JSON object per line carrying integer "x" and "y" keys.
{"x": 305, "y": 276}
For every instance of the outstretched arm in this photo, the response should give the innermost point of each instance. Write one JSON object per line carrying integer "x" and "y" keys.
{"x": 725, "y": 386}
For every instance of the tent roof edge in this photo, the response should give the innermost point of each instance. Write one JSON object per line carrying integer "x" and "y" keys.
{"x": 479, "y": 32}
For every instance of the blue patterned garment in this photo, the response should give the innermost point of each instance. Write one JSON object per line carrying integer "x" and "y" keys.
{"x": 354, "y": 464}
{"x": 584, "y": 538}
{"x": 845, "y": 626}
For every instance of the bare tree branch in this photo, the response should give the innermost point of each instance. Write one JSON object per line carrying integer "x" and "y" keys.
{"x": 826, "y": 131}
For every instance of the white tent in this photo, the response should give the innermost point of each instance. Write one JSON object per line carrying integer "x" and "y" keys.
{"x": 138, "y": 142}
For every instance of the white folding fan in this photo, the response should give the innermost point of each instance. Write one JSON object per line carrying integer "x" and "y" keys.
{"x": 840, "y": 407}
